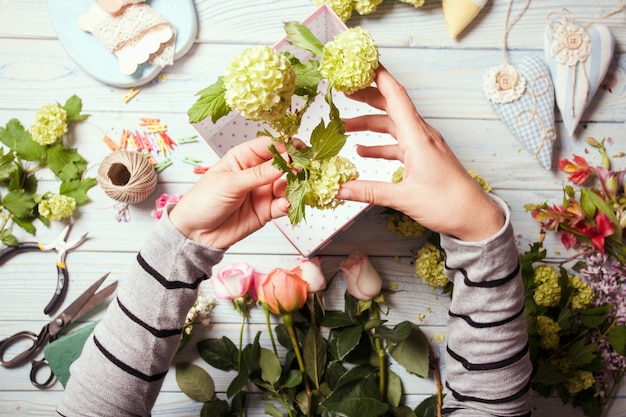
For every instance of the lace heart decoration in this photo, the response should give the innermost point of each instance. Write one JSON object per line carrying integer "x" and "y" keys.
{"x": 523, "y": 98}
{"x": 578, "y": 58}
{"x": 460, "y": 13}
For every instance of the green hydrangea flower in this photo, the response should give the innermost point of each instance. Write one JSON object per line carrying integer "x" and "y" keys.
{"x": 403, "y": 225}
{"x": 582, "y": 294}
{"x": 50, "y": 124}
{"x": 259, "y": 83}
{"x": 398, "y": 175}
{"x": 57, "y": 207}
{"x": 342, "y": 8}
{"x": 548, "y": 331}
{"x": 350, "y": 60}
{"x": 429, "y": 266}
{"x": 366, "y": 6}
{"x": 579, "y": 381}
{"x": 325, "y": 178}
{"x": 548, "y": 291}
{"x": 414, "y": 3}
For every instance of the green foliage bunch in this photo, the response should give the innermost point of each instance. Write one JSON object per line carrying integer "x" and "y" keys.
{"x": 27, "y": 151}
{"x": 346, "y": 356}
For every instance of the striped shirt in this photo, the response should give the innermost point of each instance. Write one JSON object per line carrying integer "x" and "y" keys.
{"x": 121, "y": 369}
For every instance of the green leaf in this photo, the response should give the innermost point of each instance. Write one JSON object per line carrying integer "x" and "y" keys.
{"x": 373, "y": 324}
{"x": 77, "y": 189}
{"x": 215, "y": 408}
{"x": 334, "y": 319}
{"x": 617, "y": 338}
{"x": 210, "y": 103}
{"x": 66, "y": 163}
{"x": 590, "y": 200}
{"x": 7, "y": 167}
{"x": 360, "y": 398}
{"x": 300, "y": 157}
{"x": 328, "y": 97}
{"x": 314, "y": 355}
{"x": 273, "y": 410}
{"x": 73, "y": 107}
{"x": 279, "y": 162}
{"x": 293, "y": 379}
{"x": 195, "y": 382}
{"x": 303, "y": 38}
{"x": 20, "y": 203}
{"x": 334, "y": 371}
{"x": 427, "y": 408}
{"x": 7, "y": 238}
{"x": 327, "y": 141}
{"x": 394, "y": 389}
{"x": 347, "y": 339}
{"x": 580, "y": 353}
{"x": 219, "y": 353}
{"x": 19, "y": 140}
{"x": 296, "y": 193}
{"x": 402, "y": 411}
{"x": 413, "y": 352}
{"x": 548, "y": 374}
{"x": 400, "y": 332}
{"x": 26, "y": 223}
{"x": 594, "y": 317}
{"x": 308, "y": 78}
{"x": 270, "y": 366}
{"x": 238, "y": 384}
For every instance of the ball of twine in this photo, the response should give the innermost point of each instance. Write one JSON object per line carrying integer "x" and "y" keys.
{"x": 127, "y": 176}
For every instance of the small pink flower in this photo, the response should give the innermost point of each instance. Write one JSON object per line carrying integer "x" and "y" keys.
{"x": 312, "y": 273}
{"x": 362, "y": 279}
{"x": 232, "y": 281}
{"x": 163, "y": 200}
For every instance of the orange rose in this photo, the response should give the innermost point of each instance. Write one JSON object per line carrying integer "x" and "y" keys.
{"x": 284, "y": 290}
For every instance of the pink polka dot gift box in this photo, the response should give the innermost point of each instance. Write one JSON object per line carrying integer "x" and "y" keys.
{"x": 310, "y": 236}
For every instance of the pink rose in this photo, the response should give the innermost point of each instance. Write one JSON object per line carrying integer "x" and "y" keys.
{"x": 285, "y": 291}
{"x": 232, "y": 281}
{"x": 256, "y": 289}
{"x": 312, "y": 273}
{"x": 362, "y": 280}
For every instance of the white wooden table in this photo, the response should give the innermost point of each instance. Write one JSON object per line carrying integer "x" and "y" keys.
{"x": 443, "y": 77}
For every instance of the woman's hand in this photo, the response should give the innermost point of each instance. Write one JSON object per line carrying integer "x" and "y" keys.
{"x": 236, "y": 197}
{"x": 436, "y": 190}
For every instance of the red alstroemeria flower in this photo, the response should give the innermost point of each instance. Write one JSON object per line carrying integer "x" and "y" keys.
{"x": 578, "y": 169}
{"x": 604, "y": 228}
{"x": 568, "y": 239}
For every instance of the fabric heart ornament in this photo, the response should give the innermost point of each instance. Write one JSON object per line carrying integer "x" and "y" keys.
{"x": 460, "y": 13}
{"x": 523, "y": 98}
{"x": 578, "y": 58}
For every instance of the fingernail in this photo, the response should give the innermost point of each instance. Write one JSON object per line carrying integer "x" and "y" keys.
{"x": 344, "y": 194}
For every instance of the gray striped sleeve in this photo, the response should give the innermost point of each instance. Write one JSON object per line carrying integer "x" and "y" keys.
{"x": 121, "y": 369}
{"x": 487, "y": 362}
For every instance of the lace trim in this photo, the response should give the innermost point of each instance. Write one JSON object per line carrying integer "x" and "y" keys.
{"x": 504, "y": 84}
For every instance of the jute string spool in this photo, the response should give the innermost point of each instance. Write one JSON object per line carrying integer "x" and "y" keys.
{"x": 127, "y": 176}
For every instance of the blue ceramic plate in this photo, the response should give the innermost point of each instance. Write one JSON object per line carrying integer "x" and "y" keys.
{"x": 87, "y": 51}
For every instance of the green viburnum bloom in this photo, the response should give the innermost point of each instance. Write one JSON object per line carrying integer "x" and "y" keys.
{"x": 350, "y": 60}
{"x": 429, "y": 266}
{"x": 259, "y": 83}
{"x": 398, "y": 175}
{"x": 57, "y": 207}
{"x": 414, "y": 3}
{"x": 342, "y": 8}
{"x": 366, "y": 6}
{"x": 403, "y": 225}
{"x": 582, "y": 294}
{"x": 548, "y": 331}
{"x": 480, "y": 181}
{"x": 325, "y": 178}
{"x": 579, "y": 381}
{"x": 548, "y": 291}
{"x": 50, "y": 124}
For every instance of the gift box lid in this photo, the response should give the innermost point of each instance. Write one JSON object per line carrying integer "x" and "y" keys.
{"x": 320, "y": 226}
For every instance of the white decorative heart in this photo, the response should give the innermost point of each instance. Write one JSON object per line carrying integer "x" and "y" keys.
{"x": 460, "y": 13}
{"x": 523, "y": 98}
{"x": 578, "y": 59}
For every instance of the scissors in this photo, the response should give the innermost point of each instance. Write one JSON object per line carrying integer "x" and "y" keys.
{"x": 62, "y": 247}
{"x": 51, "y": 331}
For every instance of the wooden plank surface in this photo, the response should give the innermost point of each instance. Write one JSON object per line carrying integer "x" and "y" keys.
{"x": 443, "y": 77}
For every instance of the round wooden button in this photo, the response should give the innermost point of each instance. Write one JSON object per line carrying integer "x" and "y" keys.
{"x": 573, "y": 40}
{"x": 505, "y": 81}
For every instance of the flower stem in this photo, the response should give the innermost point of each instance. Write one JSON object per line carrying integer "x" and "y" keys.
{"x": 269, "y": 328}
{"x": 243, "y": 322}
{"x": 380, "y": 352}
{"x": 435, "y": 364}
{"x": 288, "y": 321}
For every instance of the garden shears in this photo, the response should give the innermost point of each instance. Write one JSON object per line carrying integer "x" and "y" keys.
{"x": 62, "y": 247}
{"x": 51, "y": 331}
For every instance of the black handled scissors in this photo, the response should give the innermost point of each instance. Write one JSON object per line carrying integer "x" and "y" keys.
{"x": 62, "y": 248}
{"x": 51, "y": 331}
